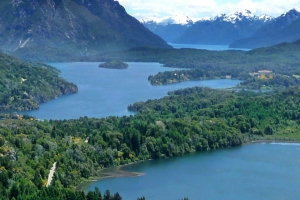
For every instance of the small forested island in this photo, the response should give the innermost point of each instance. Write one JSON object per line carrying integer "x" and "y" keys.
{"x": 114, "y": 65}
{"x": 188, "y": 120}
{"x": 23, "y": 85}
{"x": 281, "y": 59}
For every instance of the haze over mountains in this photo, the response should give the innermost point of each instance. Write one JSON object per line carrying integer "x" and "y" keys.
{"x": 239, "y": 30}
{"x": 79, "y": 27}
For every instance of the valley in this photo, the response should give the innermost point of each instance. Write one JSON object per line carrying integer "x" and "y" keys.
{"x": 117, "y": 113}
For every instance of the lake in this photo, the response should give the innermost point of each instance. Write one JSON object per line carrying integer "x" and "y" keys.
{"x": 206, "y": 47}
{"x": 254, "y": 171}
{"x": 107, "y": 92}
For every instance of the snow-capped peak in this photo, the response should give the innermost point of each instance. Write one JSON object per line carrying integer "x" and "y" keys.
{"x": 292, "y": 11}
{"x": 265, "y": 18}
{"x": 205, "y": 19}
{"x": 176, "y": 19}
{"x": 297, "y": 9}
{"x": 238, "y": 16}
{"x": 241, "y": 15}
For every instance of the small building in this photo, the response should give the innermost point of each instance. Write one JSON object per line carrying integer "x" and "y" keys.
{"x": 265, "y": 72}
{"x": 228, "y": 76}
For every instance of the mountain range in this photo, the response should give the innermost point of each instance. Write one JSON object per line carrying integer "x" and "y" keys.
{"x": 70, "y": 27}
{"x": 285, "y": 28}
{"x": 223, "y": 29}
{"x": 238, "y": 30}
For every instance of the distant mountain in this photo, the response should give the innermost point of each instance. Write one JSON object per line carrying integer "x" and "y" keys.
{"x": 285, "y": 28}
{"x": 168, "y": 28}
{"x": 79, "y": 27}
{"x": 223, "y": 29}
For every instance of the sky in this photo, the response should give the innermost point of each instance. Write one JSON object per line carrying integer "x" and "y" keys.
{"x": 196, "y": 9}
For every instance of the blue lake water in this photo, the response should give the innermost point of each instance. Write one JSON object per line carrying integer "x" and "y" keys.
{"x": 255, "y": 171}
{"x": 206, "y": 47}
{"x": 107, "y": 92}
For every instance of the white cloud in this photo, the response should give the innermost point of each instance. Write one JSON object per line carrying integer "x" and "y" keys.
{"x": 201, "y": 8}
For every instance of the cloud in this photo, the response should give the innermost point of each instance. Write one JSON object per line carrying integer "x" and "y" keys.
{"x": 142, "y": 9}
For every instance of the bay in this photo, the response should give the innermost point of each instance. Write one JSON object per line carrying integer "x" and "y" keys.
{"x": 107, "y": 92}
{"x": 206, "y": 47}
{"x": 254, "y": 171}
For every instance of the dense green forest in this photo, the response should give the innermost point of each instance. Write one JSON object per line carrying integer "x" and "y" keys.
{"x": 23, "y": 86}
{"x": 114, "y": 64}
{"x": 187, "y": 120}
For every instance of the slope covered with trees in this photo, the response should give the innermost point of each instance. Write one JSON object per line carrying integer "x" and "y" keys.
{"x": 188, "y": 120}
{"x": 23, "y": 86}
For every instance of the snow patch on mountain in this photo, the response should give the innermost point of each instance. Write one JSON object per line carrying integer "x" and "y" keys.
{"x": 242, "y": 15}
{"x": 265, "y": 18}
{"x": 185, "y": 20}
{"x": 205, "y": 19}
{"x": 176, "y": 19}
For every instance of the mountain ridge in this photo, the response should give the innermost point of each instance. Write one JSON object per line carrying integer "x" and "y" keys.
{"x": 284, "y": 28}
{"x": 201, "y": 31}
{"x": 80, "y": 27}
{"x": 223, "y": 29}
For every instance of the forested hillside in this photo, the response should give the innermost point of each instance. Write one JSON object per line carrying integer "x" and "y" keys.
{"x": 188, "y": 120}
{"x": 23, "y": 86}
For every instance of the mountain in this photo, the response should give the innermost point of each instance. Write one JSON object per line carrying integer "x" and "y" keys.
{"x": 285, "y": 28}
{"x": 23, "y": 86}
{"x": 168, "y": 28}
{"x": 76, "y": 27}
{"x": 223, "y": 29}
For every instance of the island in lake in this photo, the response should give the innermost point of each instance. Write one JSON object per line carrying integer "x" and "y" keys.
{"x": 114, "y": 65}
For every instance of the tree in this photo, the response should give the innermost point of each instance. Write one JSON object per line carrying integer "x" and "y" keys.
{"x": 37, "y": 180}
{"x": 117, "y": 196}
{"x": 106, "y": 195}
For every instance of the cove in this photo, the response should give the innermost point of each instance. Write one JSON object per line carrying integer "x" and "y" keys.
{"x": 106, "y": 92}
{"x": 254, "y": 171}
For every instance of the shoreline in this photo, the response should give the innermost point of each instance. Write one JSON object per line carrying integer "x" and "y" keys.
{"x": 271, "y": 141}
{"x": 117, "y": 172}
{"x": 113, "y": 172}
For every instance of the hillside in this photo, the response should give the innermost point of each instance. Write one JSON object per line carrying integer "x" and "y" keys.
{"x": 285, "y": 28}
{"x": 23, "y": 86}
{"x": 72, "y": 27}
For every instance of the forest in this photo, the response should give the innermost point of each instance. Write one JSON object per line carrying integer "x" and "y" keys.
{"x": 187, "y": 120}
{"x": 23, "y": 85}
